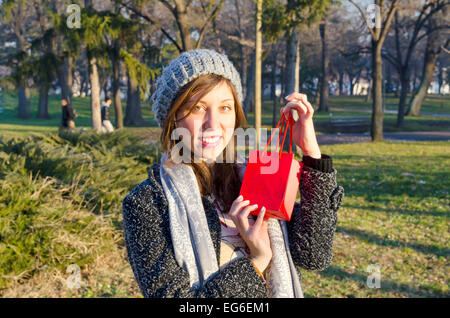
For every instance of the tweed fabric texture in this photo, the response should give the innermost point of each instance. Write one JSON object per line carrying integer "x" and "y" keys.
{"x": 188, "y": 66}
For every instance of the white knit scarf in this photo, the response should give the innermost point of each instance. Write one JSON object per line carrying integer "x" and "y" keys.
{"x": 192, "y": 243}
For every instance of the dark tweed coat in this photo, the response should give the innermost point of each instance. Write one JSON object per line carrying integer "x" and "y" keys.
{"x": 151, "y": 255}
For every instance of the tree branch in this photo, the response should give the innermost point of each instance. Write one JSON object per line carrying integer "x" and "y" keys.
{"x": 388, "y": 20}
{"x": 207, "y": 22}
{"x": 391, "y": 59}
{"x": 244, "y": 42}
{"x": 442, "y": 27}
{"x": 364, "y": 17}
{"x": 444, "y": 47}
{"x": 155, "y": 23}
{"x": 167, "y": 4}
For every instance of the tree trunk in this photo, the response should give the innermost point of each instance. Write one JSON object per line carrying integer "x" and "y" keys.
{"x": 369, "y": 90}
{"x": 427, "y": 74}
{"x": 248, "y": 102}
{"x": 377, "y": 104}
{"x": 440, "y": 78}
{"x": 23, "y": 109}
{"x": 24, "y": 100}
{"x": 273, "y": 85}
{"x": 244, "y": 70}
{"x": 116, "y": 90}
{"x": 292, "y": 72}
{"x": 133, "y": 113}
{"x": 388, "y": 79}
{"x": 404, "y": 78}
{"x": 341, "y": 84}
{"x": 105, "y": 88}
{"x": 283, "y": 80}
{"x": 352, "y": 84}
{"x": 317, "y": 97}
{"x": 258, "y": 71}
{"x": 323, "y": 103}
{"x": 182, "y": 19}
{"x": 95, "y": 95}
{"x": 82, "y": 85}
{"x": 42, "y": 111}
{"x": 397, "y": 88}
{"x": 242, "y": 49}
{"x": 69, "y": 76}
{"x": 66, "y": 79}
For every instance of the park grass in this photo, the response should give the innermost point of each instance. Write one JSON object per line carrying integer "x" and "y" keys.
{"x": 433, "y": 103}
{"x": 60, "y": 204}
{"x": 340, "y": 106}
{"x": 395, "y": 216}
{"x": 12, "y": 125}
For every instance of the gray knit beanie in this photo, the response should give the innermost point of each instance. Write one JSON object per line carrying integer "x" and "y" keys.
{"x": 188, "y": 66}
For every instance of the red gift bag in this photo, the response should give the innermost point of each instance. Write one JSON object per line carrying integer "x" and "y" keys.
{"x": 272, "y": 179}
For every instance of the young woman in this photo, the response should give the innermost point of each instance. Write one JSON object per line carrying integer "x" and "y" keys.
{"x": 187, "y": 232}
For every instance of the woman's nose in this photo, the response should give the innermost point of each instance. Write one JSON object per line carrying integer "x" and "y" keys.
{"x": 212, "y": 120}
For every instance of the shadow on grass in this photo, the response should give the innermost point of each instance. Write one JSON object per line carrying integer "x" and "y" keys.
{"x": 336, "y": 272}
{"x": 406, "y": 212}
{"x": 376, "y": 239}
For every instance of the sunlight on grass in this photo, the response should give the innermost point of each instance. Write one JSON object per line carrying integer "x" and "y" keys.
{"x": 60, "y": 204}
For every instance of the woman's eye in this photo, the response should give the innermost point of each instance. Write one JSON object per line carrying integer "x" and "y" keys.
{"x": 227, "y": 108}
{"x": 198, "y": 108}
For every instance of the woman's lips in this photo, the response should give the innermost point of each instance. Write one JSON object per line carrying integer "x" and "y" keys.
{"x": 208, "y": 142}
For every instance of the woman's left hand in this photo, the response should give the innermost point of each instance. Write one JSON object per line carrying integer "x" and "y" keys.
{"x": 303, "y": 132}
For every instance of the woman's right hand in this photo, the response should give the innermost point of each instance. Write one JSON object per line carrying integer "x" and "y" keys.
{"x": 256, "y": 236}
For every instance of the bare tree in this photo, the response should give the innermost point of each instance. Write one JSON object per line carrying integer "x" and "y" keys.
{"x": 385, "y": 11}
{"x": 325, "y": 64}
{"x": 433, "y": 49}
{"x": 16, "y": 17}
{"x": 411, "y": 36}
{"x": 184, "y": 12}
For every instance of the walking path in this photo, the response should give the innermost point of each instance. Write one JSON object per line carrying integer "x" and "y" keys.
{"x": 386, "y": 111}
{"x": 330, "y": 139}
{"x": 340, "y": 138}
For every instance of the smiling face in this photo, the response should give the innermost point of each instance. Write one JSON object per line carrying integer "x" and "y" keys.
{"x": 211, "y": 121}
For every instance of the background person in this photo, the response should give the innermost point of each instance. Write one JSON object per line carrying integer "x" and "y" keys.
{"x": 68, "y": 115}
{"x": 106, "y": 123}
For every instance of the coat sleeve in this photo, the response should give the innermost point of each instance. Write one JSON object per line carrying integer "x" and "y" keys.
{"x": 150, "y": 253}
{"x": 314, "y": 219}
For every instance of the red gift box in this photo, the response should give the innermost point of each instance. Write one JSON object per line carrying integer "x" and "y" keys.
{"x": 272, "y": 178}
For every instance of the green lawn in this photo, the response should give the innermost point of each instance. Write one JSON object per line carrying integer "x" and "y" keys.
{"x": 60, "y": 204}
{"x": 394, "y": 215}
{"x": 10, "y": 123}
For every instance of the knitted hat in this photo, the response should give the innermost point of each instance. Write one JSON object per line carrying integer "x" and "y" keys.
{"x": 188, "y": 66}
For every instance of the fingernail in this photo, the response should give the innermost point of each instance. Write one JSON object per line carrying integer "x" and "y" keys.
{"x": 255, "y": 205}
{"x": 246, "y": 201}
{"x": 240, "y": 198}
{"x": 263, "y": 209}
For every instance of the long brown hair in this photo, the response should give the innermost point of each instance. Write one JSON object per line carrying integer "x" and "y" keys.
{"x": 220, "y": 179}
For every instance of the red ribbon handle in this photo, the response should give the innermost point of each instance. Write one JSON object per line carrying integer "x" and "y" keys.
{"x": 285, "y": 124}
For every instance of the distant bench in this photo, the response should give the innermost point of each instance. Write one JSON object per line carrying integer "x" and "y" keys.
{"x": 350, "y": 123}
